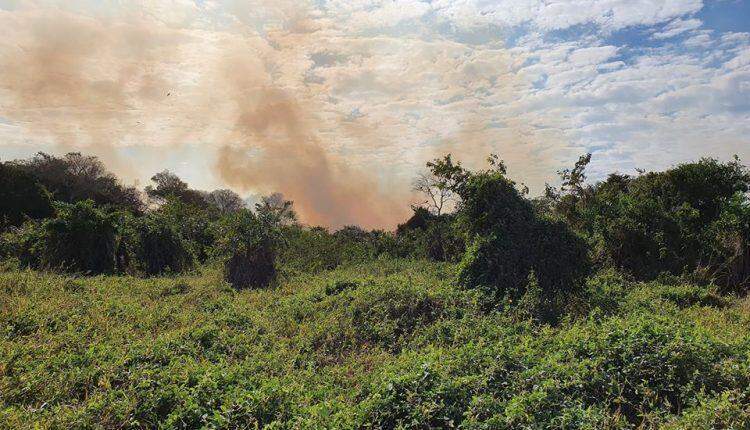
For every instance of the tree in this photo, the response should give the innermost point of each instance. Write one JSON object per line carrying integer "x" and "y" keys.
{"x": 21, "y": 196}
{"x": 508, "y": 241}
{"x": 573, "y": 179}
{"x": 440, "y": 183}
{"x": 248, "y": 244}
{"x": 170, "y": 185}
{"x": 226, "y": 201}
{"x": 75, "y": 177}
{"x": 275, "y": 208}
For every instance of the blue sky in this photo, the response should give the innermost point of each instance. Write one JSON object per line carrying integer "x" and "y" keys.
{"x": 227, "y": 93}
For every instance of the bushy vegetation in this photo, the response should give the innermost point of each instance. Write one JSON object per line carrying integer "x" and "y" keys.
{"x": 689, "y": 219}
{"x": 511, "y": 244}
{"x": 247, "y": 244}
{"x": 76, "y": 177}
{"x": 618, "y": 304}
{"x": 389, "y": 344}
{"x": 21, "y": 197}
{"x": 158, "y": 246}
{"x": 79, "y": 239}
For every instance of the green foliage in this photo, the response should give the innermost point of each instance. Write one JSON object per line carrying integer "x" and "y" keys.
{"x": 79, "y": 239}
{"x": 22, "y": 244}
{"x": 194, "y": 224}
{"x": 691, "y": 218}
{"x": 21, "y": 197}
{"x": 159, "y": 247}
{"x": 729, "y": 246}
{"x": 417, "y": 397}
{"x": 388, "y": 344}
{"x": 248, "y": 245}
{"x": 311, "y": 250}
{"x": 509, "y": 242}
{"x": 435, "y": 237}
{"x": 76, "y": 177}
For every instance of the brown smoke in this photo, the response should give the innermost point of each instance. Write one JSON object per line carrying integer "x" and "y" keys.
{"x": 98, "y": 84}
{"x": 92, "y": 84}
{"x": 82, "y": 81}
{"x": 274, "y": 147}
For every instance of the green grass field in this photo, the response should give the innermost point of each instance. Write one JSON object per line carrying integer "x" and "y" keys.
{"x": 391, "y": 344}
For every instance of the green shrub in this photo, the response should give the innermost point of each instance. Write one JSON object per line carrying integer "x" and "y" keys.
{"x": 22, "y": 244}
{"x": 509, "y": 241}
{"x": 193, "y": 223}
{"x": 430, "y": 236}
{"x": 159, "y": 247}
{"x": 248, "y": 245}
{"x": 727, "y": 410}
{"x": 692, "y": 218}
{"x": 729, "y": 242}
{"x": 79, "y": 239}
{"x": 418, "y": 398}
{"x": 21, "y": 197}
{"x": 312, "y": 250}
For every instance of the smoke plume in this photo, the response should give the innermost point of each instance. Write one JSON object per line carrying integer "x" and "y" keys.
{"x": 279, "y": 98}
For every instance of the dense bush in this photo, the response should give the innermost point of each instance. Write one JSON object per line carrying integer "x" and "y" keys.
{"x": 21, "y": 244}
{"x": 75, "y": 177}
{"x": 79, "y": 239}
{"x": 158, "y": 246}
{"x": 686, "y": 219}
{"x": 248, "y": 245}
{"x": 509, "y": 242}
{"x": 312, "y": 249}
{"x": 435, "y": 237}
{"x": 729, "y": 245}
{"x": 194, "y": 224}
{"x": 21, "y": 197}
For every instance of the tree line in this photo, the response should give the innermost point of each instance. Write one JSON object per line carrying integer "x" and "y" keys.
{"x": 70, "y": 214}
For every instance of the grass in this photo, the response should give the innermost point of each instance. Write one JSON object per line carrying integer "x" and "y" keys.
{"x": 389, "y": 344}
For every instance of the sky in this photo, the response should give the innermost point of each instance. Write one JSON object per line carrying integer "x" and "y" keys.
{"x": 339, "y": 103}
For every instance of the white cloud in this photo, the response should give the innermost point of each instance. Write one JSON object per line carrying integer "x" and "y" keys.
{"x": 609, "y": 15}
{"x": 677, "y": 27}
{"x": 384, "y": 84}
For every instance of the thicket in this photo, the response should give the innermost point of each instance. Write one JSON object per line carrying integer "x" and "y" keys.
{"x": 248, "y": 244}
{"x": 431, "y": 236}
{"x": 21, "y": 197}
{"x": 691, "y": 219}
{"x": 81, "y": 238}
{"x": 511, "y": 246}
{"x": 76, "y": 177}
{"x": 157, "y": 246}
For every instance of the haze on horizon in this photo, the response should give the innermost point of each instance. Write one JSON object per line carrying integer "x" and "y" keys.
{"x": 337, "y": 104}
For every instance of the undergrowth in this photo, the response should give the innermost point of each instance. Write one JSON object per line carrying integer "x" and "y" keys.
{"x": 389, "y": 344}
